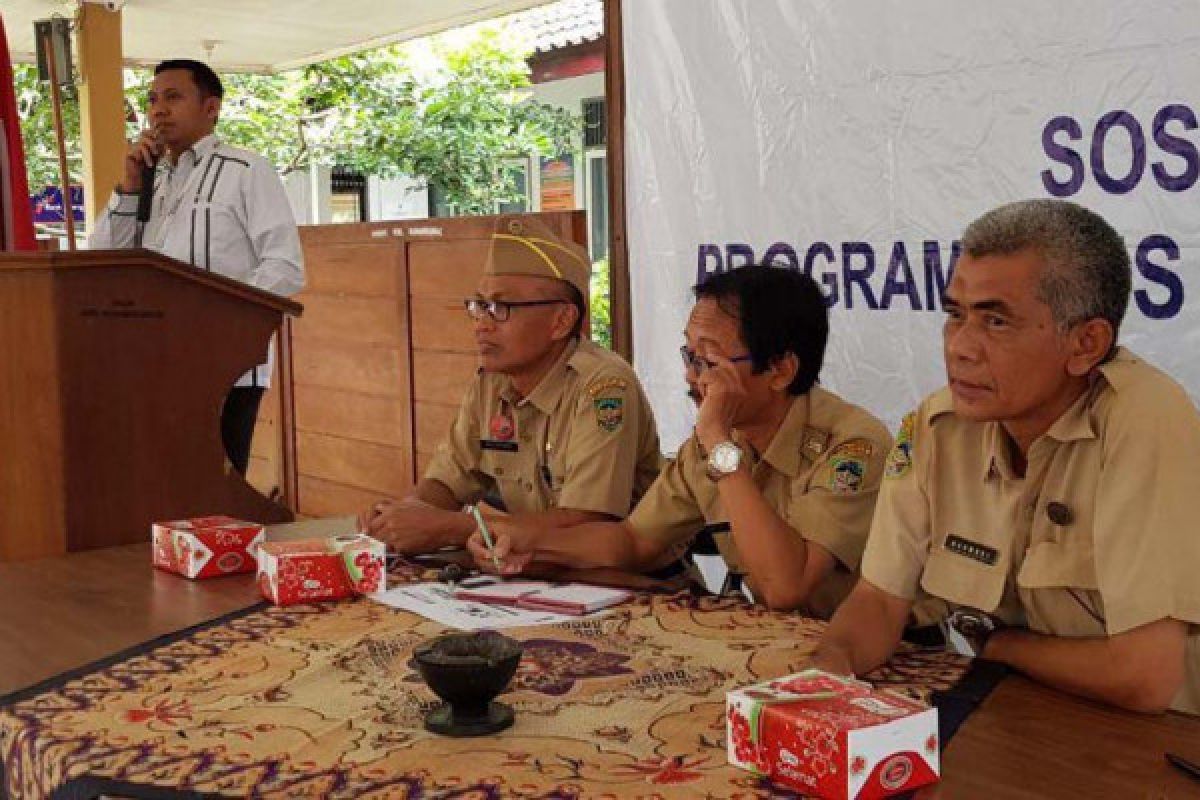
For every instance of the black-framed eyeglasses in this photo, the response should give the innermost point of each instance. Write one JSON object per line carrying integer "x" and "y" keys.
{"x": 693, "y": 360}
{"x": 499, "y": 310}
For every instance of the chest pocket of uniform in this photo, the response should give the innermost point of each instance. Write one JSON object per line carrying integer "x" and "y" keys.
{"x": 964, "y": 581}
{"x": 501, "y": 465}
{"x": 1050, "y": 565}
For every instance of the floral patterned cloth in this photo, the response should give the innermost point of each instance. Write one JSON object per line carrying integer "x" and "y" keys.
{"x": 324, "y": 701}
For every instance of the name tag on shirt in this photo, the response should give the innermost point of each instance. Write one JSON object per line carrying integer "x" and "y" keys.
{"x": 973, "y": 550}
{"x": 495, "y": 444}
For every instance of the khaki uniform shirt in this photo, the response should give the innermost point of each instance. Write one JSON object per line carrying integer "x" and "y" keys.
{"x": 583, "y": 439}
{"x": 1099, "y": 536}
{"x": 820, "y": 473}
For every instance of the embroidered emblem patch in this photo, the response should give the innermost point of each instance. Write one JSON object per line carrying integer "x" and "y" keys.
{"x": 849, "y": 466}
{"x": 610, "y": 412}
{"x": 501, "y": 428}
{"x": 847, "y": 476}
{"x": 859, "y": 448}
{"x": 813, "y": 442}
{"x": 599, "y": 386}
{"x": 899, "y": 460}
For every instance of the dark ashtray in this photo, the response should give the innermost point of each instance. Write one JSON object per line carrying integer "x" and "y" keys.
{"x": 468, "y": 670}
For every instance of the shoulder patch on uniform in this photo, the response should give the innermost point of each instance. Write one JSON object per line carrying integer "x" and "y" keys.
{"x": 813, "y": 442}
{"x": 608, "y": 401}
{"x": 899, "y": 460}
{"x": 848, "y": 466}
{"x": 607, "y": 385}
{"x": 610, "y": 412}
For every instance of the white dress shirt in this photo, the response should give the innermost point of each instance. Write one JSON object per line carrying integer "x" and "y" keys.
{"x": 219, "y": 208}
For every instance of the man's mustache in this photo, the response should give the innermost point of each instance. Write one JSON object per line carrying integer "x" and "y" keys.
{"x": 695, "y": 396}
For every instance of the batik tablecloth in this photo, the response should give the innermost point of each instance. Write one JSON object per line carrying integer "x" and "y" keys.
{"x": 323, "y": 701}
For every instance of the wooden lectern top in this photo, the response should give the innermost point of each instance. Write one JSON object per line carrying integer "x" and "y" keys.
{"x": 140, "y": 257}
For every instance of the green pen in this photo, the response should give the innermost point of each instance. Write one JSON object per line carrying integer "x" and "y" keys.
{"x": 487, "y": 536}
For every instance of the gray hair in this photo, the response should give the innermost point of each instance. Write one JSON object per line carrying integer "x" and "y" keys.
{"x": 1087, "y": 271}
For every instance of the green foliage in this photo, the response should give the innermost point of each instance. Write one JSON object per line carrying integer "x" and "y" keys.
{"x": 37, "y": 128}
{"x": 470, "y": 115}
{"x": 451, "y": 119}
{"x": 600, "y": 302}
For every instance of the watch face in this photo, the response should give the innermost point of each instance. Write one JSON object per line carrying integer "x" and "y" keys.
{"x": 972, "y": 623}
{"x": 726, "y": 456}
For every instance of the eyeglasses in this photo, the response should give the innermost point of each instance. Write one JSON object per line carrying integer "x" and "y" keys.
{"x": 499, "y": 310}
{"x": 692, "y": 360}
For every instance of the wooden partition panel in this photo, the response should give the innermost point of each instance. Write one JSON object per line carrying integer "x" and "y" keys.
{"x": 382, "y": 355}
{"x": 443, "y": 345}
{"x": 265, "y": 469}
{"x": 353, "y": 425}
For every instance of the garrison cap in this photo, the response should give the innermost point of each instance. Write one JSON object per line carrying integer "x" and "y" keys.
{"x": 525, "y": 246}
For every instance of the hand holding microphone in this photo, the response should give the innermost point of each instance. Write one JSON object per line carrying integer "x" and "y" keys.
{"x": 140, "y": 162}
{"x": 143, "y": 153}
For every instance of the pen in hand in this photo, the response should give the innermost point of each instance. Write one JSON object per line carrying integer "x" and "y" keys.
{"x": 487, "y": 536}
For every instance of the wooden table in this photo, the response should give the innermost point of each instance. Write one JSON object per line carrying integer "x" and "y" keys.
{"x": 1025, "y": 741}
{"x": 58, "y": 614}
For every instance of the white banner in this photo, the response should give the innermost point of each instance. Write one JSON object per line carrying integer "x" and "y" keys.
{"x": 855, "y": 139}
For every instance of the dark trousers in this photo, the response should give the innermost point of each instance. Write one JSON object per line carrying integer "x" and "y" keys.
{"x": 237, "y": 424}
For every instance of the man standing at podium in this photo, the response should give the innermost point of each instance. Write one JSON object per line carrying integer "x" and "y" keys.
{"x": 217, "y": 207}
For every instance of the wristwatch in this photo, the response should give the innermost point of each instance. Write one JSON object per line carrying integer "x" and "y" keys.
{"x": 968, "y": 629}
{"x": 724, "y": 459}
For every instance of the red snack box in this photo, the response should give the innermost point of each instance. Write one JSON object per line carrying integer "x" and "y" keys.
{"x": 310, "y": 570}
{"x": 205, "y": 547}
{"x": 832, "y": 737}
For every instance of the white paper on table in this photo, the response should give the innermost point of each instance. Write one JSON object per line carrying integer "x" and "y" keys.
{"x": 437, "y": 602}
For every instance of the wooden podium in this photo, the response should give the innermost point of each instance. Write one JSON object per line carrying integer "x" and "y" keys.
{"x": 114, "y": 366}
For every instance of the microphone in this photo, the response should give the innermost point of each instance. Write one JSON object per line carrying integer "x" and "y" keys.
{"x": 146, "y": 196}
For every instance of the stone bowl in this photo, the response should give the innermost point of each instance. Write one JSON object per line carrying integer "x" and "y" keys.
{"x": 468, "y": 670}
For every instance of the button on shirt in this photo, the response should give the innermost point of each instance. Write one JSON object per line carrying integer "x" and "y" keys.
{"x": 219, "y": 208}
{"x": 583, "y": 439}
{"x": 1098, "y": 536}
{"x": 820, "y": 473}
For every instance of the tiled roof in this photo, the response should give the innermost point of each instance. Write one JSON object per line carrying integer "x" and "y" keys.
{"x": 561, "y": 24}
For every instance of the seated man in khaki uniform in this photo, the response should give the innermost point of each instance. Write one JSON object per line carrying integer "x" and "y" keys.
{"x": 552, "y": 425}
{"x": 1049, "y": 492}
{"x": 787, "y": 470}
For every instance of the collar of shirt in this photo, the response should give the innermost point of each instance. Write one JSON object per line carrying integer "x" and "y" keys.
{"x": 783, "y": 453}
{"x": 546, "y": 394}
{"x": 198, "y": 151}
{"x": 1119, "y": 369}
{"x": 1073, "y": 425}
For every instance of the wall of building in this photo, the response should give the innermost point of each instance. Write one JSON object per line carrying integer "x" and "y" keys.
{"x": 567, "y": 94}
{"x": 308, "y": 192}
{"x": 396, "y": 198}
{"x": 570, "y": 92}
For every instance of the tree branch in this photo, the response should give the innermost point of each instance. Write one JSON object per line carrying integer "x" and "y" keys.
{"x": 295, "y": 162}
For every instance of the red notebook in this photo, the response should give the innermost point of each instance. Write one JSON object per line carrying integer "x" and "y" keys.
{"x": 561, "y": 598}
